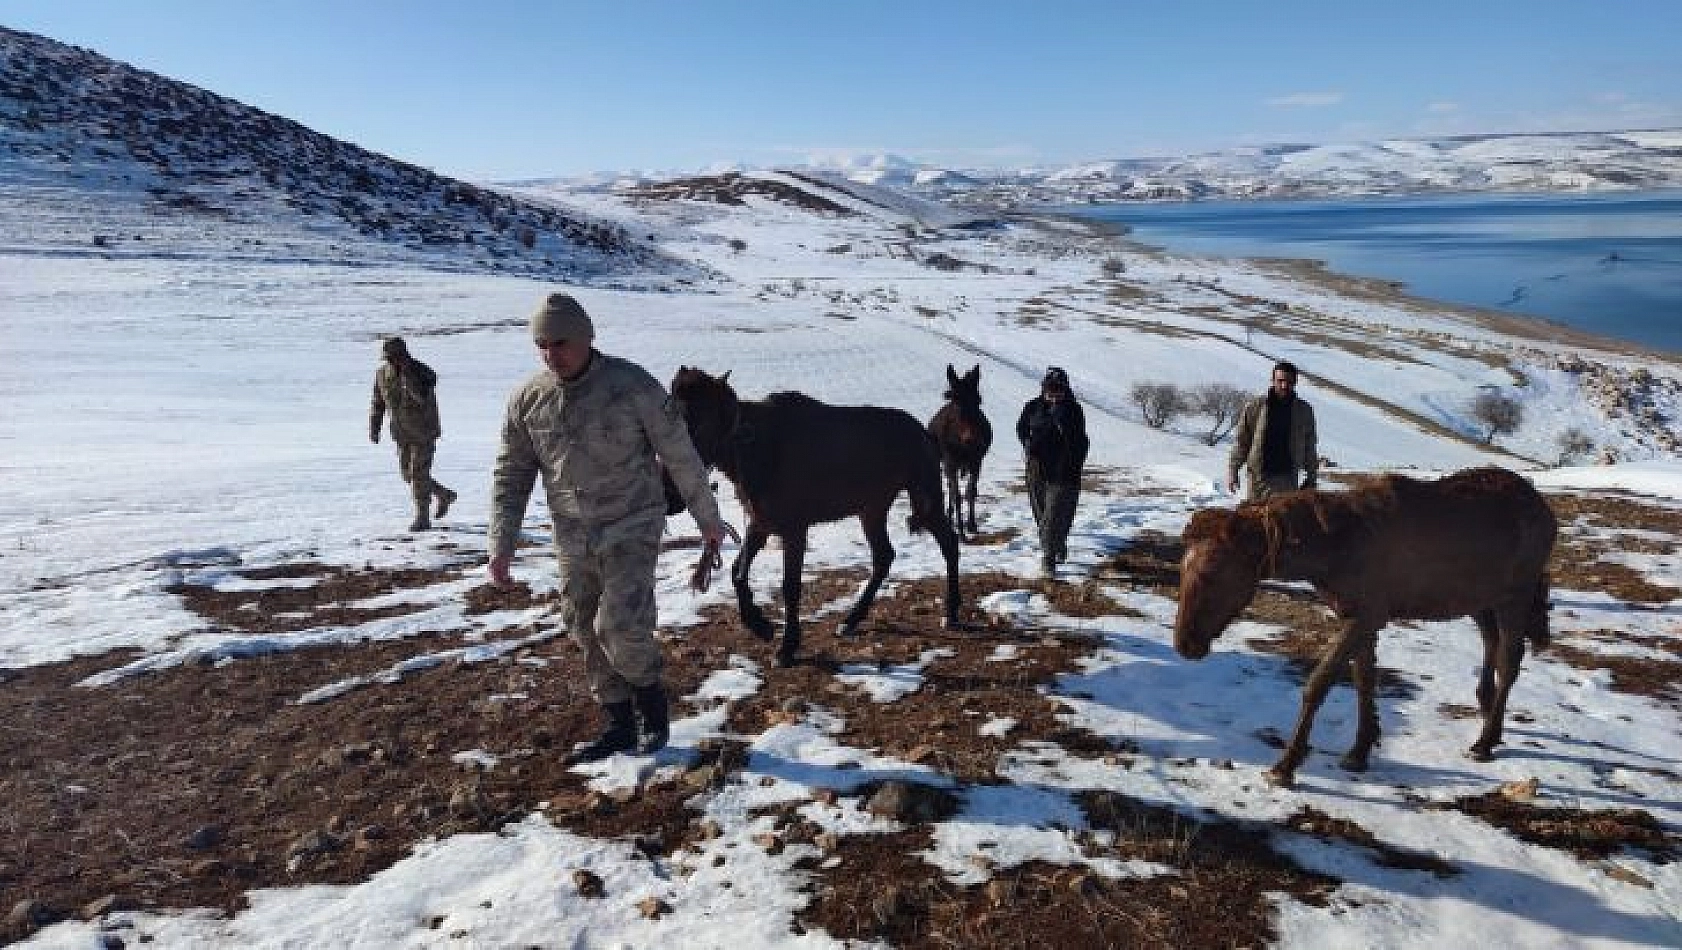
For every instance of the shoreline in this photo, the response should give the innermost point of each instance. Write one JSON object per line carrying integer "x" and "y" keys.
{"x": 1527, "y": 326}
{"x": 1380, "y": 290}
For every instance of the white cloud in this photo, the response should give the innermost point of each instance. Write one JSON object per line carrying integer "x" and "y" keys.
{"x": 1306, "y": 100}
{"x": 1443, "y": 108}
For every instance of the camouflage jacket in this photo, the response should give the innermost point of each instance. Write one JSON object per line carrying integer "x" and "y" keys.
{"x": 411, "y": 397}
{"x": 595, "y": 441}
{"x": 1251, "y": 435}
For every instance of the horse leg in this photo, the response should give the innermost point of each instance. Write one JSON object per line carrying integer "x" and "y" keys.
{"x": 752, "y": 617}
{"x": 875, "y": 522}
{"x": 1511, "y": 620}
{"x": 954, "y": 501}
{"x": 1283, "y": 772}
{"x": 947, "y": 537}
{"x": 1364, "y": 670}
{"x": 969, "y": 493}
{"x": 794, "y": 563}
{"x": 1486, "y": 674}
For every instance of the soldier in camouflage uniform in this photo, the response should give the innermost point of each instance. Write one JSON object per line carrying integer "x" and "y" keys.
{"x": 597, "y": 428}
{"x": 407, "y": 387}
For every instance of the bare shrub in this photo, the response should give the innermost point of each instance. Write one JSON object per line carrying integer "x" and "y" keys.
{"x": 1221, "y": 402}
{"x": 738, "y": 245}
{"x": 1160, "y": 403}
{"x": 1113, "y": 267}
{"x": 1497, "y": 414}
{"x": 1574, "y": 444}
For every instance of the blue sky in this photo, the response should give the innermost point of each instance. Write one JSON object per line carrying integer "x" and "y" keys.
{"x": 502, "y": 89}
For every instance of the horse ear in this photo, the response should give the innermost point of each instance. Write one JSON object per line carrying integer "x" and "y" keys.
{"x": 725, "y": 378}
{"x": 974, "y": 373}
{"x": 951, "y": 375}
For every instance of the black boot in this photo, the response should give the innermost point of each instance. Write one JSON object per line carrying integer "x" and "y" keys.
{"x": 656, "y": 726}
{"x": 619, "y": 736}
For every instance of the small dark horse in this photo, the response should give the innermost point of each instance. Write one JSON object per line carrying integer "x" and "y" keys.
{"x": 796, "y": 462}
{"x": 1393, "y": 548}
{"x": 964, "y": 435}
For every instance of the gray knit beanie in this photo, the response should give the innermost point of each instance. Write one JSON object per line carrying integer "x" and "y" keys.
{"x": 561, "y": 318}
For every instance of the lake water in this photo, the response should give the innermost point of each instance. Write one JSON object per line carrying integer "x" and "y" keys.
{"x": 1610, "y": 264}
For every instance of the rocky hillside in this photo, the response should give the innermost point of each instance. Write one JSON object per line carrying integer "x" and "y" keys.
{"x": 100, "y": 157}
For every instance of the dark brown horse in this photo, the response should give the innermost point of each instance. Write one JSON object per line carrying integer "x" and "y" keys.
{"x": 1475, "y": 543}
{"x": 964, "y": 435}
{"x": 796, "y": 462}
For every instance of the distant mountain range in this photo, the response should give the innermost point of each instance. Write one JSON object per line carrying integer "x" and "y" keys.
{"x": 1584, "y": 161}
{"x": 100, "y": 157}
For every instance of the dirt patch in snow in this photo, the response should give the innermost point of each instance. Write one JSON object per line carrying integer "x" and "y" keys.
{"x": 1586, "y": 833}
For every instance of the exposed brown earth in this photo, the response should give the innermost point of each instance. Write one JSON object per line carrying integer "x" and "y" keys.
{"x": 191, "y": 786}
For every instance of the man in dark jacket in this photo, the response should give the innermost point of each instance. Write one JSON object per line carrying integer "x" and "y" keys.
{"x": 1052, "y": 429}
{"x": 407, "y": 387}
{"x": 1276, "y": 438}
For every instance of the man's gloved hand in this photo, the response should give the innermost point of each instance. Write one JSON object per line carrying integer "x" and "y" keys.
{"x": 1308, "y": 482}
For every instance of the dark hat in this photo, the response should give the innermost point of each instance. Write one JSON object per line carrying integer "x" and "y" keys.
{"x": 1055, "y": 378}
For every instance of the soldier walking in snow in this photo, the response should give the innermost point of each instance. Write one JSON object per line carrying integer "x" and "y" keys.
{"x": 597, "y": 428}
{"x": 1052, "y": 429}
{"x": 407, "y": 387}
{"x": 1275, "y": 440}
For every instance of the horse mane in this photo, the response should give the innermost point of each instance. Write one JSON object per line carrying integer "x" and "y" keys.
{"x": 1317, "y": 521}
{"x": 789, "y": 399}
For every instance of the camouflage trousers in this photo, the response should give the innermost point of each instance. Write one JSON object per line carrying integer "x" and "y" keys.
{"x": 414, "y": 461}
{"x": 1261, "y": 486}
{"x": 1053, "y": 504}
{"x": 607, "y": 607}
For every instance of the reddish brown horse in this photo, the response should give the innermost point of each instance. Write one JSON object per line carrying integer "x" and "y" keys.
{"x": 964, "y": 435}
{"x": 1475, "y": 543}
{"x": 797, "y": 462}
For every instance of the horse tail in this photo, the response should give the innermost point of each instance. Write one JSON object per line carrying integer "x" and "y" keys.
{"x": 1536, "y": 625}
{"x": 928, "y": 498}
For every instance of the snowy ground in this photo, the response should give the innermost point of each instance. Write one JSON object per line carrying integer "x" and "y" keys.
{"x": 166, "y": 421}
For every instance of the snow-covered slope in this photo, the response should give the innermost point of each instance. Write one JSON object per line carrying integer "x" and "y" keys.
{"x": 209, "y": 178}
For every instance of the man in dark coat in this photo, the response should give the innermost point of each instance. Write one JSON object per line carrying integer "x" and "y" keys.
{"x": 1275, "y": 440}
{"x": 1052, "y": 429}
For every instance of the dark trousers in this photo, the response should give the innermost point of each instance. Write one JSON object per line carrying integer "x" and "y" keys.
{"x": 1053, "y": 504}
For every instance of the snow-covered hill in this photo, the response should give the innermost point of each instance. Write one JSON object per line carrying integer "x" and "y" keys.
{"x": 205, "y": 177}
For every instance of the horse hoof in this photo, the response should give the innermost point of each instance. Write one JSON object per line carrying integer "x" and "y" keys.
{"x": 848, "y": 630}
{"x": 1278, "y": 779}
{"x": 784, "y": 660}
{"x": 1480, "y": 753}
{"x": 765, "y": 633}
{"x": 1352, "y": 764}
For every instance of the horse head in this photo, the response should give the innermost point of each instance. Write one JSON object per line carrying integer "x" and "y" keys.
{"x": 710, "y": 409}
{"x": 964, "y": 390}
{"x": 1226, "y": 553}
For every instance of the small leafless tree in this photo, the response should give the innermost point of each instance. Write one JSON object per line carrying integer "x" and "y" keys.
{"x": 1221, "y": 402}
{"x": 1160, "y": 403}
{"x": 1498, "y": 414}
{"x": 1574, "y": 444}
